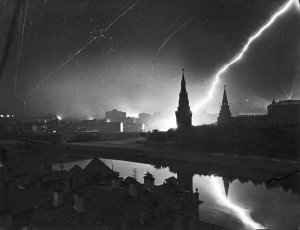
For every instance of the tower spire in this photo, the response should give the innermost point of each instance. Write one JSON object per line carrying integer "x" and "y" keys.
{"x": 183, "y": 88}
{"x": 183, "y": 114}
{"x": 224, "y": 115}
{"x": 224, "y": 101}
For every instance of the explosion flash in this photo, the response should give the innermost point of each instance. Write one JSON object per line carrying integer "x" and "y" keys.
{"x": 240, "y": 55}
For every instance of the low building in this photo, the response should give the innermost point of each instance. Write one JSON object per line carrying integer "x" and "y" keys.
{"x": 253, "y": 120}
{"x": 110, "y": 127}
{"x": 133, "y": 127}
{"x": 123, "y": 205}
{"x": 32, "y": 186}
{"x": 129, "y": 120}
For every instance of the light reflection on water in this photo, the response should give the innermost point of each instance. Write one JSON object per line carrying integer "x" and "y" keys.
{"x": 241, "y": 213}
{"x": 247, "y": 206}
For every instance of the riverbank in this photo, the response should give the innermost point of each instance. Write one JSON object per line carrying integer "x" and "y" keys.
{"x": 128, "y": 149}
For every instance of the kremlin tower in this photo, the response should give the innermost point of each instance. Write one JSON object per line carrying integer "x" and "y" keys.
{"x": 183, "y": 113}
{"x": 224, "y": 115}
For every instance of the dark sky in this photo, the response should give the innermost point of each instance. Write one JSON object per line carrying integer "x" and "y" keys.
{"x": 135, "y": 64}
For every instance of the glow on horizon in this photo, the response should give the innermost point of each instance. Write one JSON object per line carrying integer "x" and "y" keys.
{"x": 165, "y": 124}
{"x": 241, "y": 213}
{"x": 240, "y": 55}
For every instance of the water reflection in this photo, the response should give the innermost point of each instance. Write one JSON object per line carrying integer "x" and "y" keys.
{"x": 241, "y": 213}
{"x": 236, "y": 198}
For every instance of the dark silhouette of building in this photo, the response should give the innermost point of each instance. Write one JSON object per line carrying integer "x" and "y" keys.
{"x": 224, "y": 115}
{"x": 253, "y": 120}
{"x": 115, "y": 115}
{"x": 133, "y": 127}
{"x": 284, "y": 113}
{"x": 183, "y": 113}
{"x": 129, "y": 205}
{"x": 110, "y": 127}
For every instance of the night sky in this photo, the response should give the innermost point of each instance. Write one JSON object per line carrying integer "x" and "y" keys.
{"x": 135, "y": 62}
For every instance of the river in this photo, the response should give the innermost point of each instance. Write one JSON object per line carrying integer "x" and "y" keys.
{"x": 235, "y": 198}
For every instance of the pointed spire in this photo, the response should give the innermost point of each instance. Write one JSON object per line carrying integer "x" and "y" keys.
{"x": 184, "y": 114}
{"x": 183, "y": 89}
{"x": 273, "y": 102}
{"x": 224, "y": 101}
{"x": 226, "y": 184}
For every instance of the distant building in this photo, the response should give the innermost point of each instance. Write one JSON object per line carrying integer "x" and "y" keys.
{"x": 183, "y": 113}
{"x": 284, "y": 113}
{"x": 110, "y": 127}
{"x": 133, "y": 127}
{"x": 8, "y": 123}
{"x": 145, "y": 118}
{"x": 115, "y": 115}
{"x": 224, "y": 115}
{"x": 129, "y": 120}
{"x": 253, "y": 120}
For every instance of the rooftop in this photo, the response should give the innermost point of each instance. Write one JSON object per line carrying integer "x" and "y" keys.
{"x": 104, "y": 206}
{"x": 288, "y": 102}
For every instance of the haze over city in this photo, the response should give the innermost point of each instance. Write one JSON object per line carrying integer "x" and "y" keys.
{"x": 150, "y": 114}
{"x": 77, "y": 58}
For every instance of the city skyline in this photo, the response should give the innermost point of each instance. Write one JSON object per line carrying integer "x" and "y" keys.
{"x": 90, "y": 83}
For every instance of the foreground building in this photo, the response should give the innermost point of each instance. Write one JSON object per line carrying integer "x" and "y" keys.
{"x": 122, "y": 205}
{"x": 183, "y": 113}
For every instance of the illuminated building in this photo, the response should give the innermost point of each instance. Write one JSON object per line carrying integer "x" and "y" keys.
{"x": 115, "y": 115}
{"x": 183, "y": 113}
{"x": 284, "y": 113}
{"x": 224, "y": 115}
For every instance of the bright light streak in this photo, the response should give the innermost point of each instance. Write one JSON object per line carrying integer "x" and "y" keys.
{"x": 59, "y": 117}
{"x": 242, "y": 213}
{"x": 81, "y": 48}
{"x": 240, "y": 55}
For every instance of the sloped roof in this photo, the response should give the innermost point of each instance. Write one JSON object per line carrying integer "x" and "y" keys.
{"x": 97, "y": 166}
{"x": 75, "y": 168}
{"x": 106, "y": 207}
